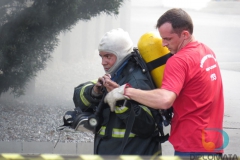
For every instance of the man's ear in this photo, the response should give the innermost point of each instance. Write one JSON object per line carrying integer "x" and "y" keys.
{"x": 185, "y": 34}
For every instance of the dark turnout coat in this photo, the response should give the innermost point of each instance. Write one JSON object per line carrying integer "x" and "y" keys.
{"x": 109, "y": 138}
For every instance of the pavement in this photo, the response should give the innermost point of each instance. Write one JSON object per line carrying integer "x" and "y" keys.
{"x": 230, "y": 74}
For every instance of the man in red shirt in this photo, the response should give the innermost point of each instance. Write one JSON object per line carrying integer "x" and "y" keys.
{"x": 192, "y": 84}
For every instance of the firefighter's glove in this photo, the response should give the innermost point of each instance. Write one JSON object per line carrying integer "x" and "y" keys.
{"x": 115, "y": 95}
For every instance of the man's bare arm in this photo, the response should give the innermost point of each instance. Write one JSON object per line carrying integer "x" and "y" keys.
{"x": 157, "y": 98}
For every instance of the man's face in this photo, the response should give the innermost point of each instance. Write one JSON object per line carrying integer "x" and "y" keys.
{"x": 108, "y": 60}
{"x": 170, "y": 39}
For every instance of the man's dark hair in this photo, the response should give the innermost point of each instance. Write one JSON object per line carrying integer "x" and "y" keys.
{"x": 179, "y": 19}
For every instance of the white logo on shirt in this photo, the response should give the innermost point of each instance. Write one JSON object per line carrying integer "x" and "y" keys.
{"x": 205, "y": 58}
{"x": 213, "y": 77}
{"x": 211, "y": 67}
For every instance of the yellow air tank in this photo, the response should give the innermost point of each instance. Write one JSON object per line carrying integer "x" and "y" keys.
{"x": 154, "y": 54}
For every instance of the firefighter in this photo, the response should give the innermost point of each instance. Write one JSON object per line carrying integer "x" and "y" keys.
{"x": 129, "y": 128}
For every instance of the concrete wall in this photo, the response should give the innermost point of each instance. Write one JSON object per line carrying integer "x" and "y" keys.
{"x": 46, "y": 148}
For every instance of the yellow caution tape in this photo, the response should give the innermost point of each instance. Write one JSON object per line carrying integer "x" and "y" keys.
{"x": 52, "y": 157}
{"x": 9, "y": 156}
{"x": 12, "y": 156}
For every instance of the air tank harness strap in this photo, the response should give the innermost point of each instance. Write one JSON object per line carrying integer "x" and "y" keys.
{"x": 158, "y": 62}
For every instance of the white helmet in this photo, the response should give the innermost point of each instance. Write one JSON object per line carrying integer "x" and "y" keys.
{"x": 118, "y": 42}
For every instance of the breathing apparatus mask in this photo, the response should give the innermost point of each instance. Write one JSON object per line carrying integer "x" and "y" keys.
{"x": 77, "y": 121}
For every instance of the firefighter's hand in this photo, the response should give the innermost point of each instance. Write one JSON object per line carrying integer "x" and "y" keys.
{"x": 109, "y": 84}
{"x": 98, "y": 87}
{"x": 115, "y": 95}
